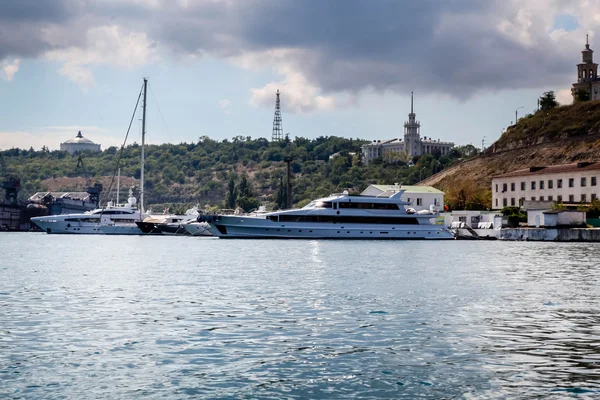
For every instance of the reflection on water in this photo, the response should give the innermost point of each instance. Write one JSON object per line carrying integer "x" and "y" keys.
{"x": 105, "y": 317}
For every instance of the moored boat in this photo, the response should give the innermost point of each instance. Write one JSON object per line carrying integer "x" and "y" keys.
{"x": 336, "y": 217}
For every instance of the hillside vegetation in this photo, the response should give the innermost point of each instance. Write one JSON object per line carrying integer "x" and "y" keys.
{"x": 560, "y": 135}
{"x": 203, "y": 172}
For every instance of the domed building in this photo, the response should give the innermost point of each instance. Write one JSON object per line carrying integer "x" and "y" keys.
{"x": 78, "y": 144}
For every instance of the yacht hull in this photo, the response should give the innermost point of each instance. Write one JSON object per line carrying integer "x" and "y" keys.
{"x": 198, "y": 229}
{"x": 54, "y": 226}
{"x": 243, "y": 227}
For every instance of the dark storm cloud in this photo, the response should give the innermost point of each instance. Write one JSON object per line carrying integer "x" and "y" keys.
{"x": 451, "y": 47}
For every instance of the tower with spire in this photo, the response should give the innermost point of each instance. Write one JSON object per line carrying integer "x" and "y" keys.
{"x": 587, "y": 86}
{"x": 411, "y": 144}
{"x": 277, "y": 134}
{"x": 412, "y": 132}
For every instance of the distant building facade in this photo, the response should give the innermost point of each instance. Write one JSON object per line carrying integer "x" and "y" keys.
{"x": 420, "y": 197}
{"x": 412, "y": 144}
{"x": 566, "y": 184}
{"x": 587, "y": 83}
{"x": 78, "y": 144}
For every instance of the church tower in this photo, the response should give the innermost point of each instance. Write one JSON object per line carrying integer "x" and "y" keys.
{"x": 412, "y": 134}
{"x": 587, "y": 70}
{"x": 588, "y": 85}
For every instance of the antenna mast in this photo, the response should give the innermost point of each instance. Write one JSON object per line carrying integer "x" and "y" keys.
{"x": 277, "y": 135}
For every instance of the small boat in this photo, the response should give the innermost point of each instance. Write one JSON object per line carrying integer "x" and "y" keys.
{"x": 340, "y": 216}
{"x": 196, "y": 228}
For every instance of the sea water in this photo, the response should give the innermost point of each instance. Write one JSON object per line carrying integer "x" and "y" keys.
{"x": 108, "y": 317}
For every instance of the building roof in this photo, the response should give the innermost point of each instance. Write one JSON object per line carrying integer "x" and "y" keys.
{"x": 552, "y": 169}
{"x": 408, "y": 188}
{"x": 80, "y": 139}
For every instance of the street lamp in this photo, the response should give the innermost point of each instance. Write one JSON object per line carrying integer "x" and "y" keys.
{"x": 516, "y": 112}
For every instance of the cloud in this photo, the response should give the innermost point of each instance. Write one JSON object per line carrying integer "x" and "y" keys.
{"x": 322, "y": 50}
{"x": 564, "y": 96}
{"x": 9, "y": 68}
{"x": 225, "y": 105}
{"x": 104, "y": 45}
{"x": 297, "y": 94}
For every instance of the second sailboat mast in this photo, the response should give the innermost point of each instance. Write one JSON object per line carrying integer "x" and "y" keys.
{"x": 143, "y": 145}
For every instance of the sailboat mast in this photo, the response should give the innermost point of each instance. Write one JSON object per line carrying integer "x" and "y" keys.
{"x": 118, "y": 184}
{"x": 143, "y": 145}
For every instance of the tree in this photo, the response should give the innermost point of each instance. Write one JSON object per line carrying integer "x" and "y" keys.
{"x": 232, "y": 194}
{"x": 582, "y": 95}
{"x": 280, "y": 197}
{"x": 548, "y": 100}
{"x": 248, "y": 203}
{"x": 244, "y": 189}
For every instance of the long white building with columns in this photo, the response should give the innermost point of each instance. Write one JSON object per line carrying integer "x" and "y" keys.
{"x": 411, "y": 145}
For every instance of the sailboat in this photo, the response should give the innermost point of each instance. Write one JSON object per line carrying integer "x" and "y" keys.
{"x": 114, "y": 219}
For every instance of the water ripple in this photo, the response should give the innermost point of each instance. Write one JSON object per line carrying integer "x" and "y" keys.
{"x": 192, "y": 318}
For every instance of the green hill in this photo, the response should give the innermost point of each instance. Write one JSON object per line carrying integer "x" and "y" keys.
{"x": 199, "y": 173}
{"x": 560, "y": 135}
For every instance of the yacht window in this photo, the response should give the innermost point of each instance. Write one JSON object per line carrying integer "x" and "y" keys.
{"x": 347, "y": 219}
{"x": 324, "y": 204}
{"x": 369, "y": 206}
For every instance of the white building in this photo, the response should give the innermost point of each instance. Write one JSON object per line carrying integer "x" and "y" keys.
{"x": 420, "y": 197}
{"x": 78, "y": 144}
{"x": 411, "y": 146}
{"x": 568, "y": 184}
{"x": 587, "y": 76}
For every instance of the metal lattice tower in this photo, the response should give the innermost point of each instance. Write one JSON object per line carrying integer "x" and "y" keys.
{"x": 277, "y": 124}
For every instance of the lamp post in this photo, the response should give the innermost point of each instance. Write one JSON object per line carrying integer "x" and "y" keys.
{"x": 483, "y": 144}
{"x": 516, "y": 114}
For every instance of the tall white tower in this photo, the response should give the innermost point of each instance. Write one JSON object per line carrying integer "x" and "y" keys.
{"x": 412, "y": 133}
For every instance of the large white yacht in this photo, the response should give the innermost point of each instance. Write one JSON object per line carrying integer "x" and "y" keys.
{"x": 336, "y": 217}
{"x": 114, "y": 219}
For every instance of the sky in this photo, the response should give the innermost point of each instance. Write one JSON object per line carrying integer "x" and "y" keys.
{"x": 344, "y": 68}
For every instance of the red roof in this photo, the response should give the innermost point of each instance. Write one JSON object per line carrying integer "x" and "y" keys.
{"x": 552, "y": 169}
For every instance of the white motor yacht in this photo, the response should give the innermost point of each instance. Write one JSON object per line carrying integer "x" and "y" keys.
{"x": 114, "y": 219}
{"x": 335, "y": 217}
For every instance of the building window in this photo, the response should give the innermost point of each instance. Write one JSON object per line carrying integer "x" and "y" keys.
{"x": 593, "y": 196}
{"x": 541, "y": 198}
{"x": 583, "y": 181}
{"x": 504, "y": 187}
{"x": 550, "y": 184}
{"x": 522, "y": 185}
{"x": 496, "y": 188}
{"x": 583, "y": 198}
{"x": 571, "y": 198}
{"x": 593, "y": 181}
{"x": 550, "y": 198}
{"x": 504, "y": 202}
{"x": 559, "y": 199}
{"x": 512, "y": 187}
{"x": 496, "y": 202}
{"x": 532, "y": 198}
{"x": 541, "y": 185}
{"x": 532, "y": 185}
{"x": 571, "y": 182}
{"x": 419, "y": 201}
{"x": 512, "y": 201}
{"x": 559, "y": 183}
